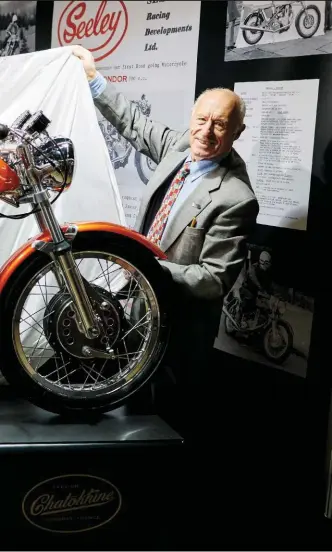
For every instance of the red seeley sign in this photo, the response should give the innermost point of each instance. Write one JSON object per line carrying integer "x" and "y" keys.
{"x": 98, "y": 26}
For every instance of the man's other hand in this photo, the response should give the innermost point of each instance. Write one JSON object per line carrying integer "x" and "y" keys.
{"x": 87, "y": 59}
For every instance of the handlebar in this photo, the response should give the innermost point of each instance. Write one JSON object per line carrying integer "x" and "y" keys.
{"x": 28, "y": 123}
{"x": 42, "y": 162}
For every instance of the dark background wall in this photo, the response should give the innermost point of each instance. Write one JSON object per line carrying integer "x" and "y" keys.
{"x": 298, "y": 256}
{"x": 269, "y": 427}
{"x": 281, "y": 419}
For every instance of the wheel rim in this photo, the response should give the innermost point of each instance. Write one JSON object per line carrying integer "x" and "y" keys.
{"x": 253, "y": 36}
{"x": 90, "y": 378}
{"x": 276, "y": 348}
{"x": 148, "y": 167}
{"x": 309, "y": 22}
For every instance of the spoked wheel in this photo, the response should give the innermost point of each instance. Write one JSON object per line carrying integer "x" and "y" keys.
{"x": 145, "y": 166}
{"x": 45, "y": 354}
{"x": 308, "y": 21}
{"x": 252, "y": 36}
{"x": 278, "y": 345}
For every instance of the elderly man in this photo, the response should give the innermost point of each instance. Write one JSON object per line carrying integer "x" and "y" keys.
{"x": 199, "y": 207}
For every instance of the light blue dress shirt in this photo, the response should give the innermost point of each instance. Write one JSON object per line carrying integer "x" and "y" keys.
{"x": 97, "y": 85}
{"x": 198, "y": 169}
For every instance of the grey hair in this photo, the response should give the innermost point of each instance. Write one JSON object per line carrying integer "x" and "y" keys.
{"x": 241, "y": 102}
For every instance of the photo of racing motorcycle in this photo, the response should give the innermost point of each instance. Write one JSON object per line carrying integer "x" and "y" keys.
{"x": 272, "y": 18}
{"x": 264, "y": 321}
{"x": 263, "y": 327}
{"x": 120, "y": 149}
{"x": 265, "y": 29}
{"x": 17, "y": 27}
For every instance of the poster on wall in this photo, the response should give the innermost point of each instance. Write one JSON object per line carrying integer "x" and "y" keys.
{"x": 17, "y": 27}
{"x": 148, "y": 50}
{"x": 257, "y": 29}
{"x": 266, "y": 322}
{"x": 277, "y": 147}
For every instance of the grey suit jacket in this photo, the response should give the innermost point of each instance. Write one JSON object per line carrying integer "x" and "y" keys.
{"x": 206, "y": 260}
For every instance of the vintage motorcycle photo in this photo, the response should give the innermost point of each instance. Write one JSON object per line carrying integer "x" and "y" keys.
{"x": 271, "y": 18}
{"x": 12, "y": 47}
{"x": 120, "y": 149}
{"x": 262, "y": 328}
{"x": 83, "y": 307}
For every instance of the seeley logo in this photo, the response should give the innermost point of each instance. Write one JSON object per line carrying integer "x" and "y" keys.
{"x": 98, "y": 26}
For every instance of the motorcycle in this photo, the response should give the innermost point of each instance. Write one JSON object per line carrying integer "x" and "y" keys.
{"x": 278, "y": 19}
{"x": 119, "y": 148}
{"x": 83, "y": 306}
{"x": 12, "y": 46}
{"x": 262, "y": 327}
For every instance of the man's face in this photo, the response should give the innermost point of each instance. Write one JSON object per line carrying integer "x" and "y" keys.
{"x": 214, "y": 125}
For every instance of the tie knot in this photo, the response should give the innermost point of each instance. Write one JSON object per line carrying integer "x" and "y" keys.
{"x": 186, "y": 167}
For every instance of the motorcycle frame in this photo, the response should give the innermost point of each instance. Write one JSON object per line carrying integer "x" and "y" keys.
{"x": 261, "y": 11}
{"x": 271, "y": 321}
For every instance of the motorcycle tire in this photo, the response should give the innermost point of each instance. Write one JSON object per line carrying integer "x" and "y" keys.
{"x": 258, "y": 35}
{"x": 139, "y": 159}
{"x": 285, "y": 355}
{"x": 298, "y": 21}
{"x": 62, "y": 403}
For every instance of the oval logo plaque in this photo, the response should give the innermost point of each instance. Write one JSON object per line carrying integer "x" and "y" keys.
{"x": 71, "y": 503}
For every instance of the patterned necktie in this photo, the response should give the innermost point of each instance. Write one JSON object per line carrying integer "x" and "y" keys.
{"x": 158, "y": 225}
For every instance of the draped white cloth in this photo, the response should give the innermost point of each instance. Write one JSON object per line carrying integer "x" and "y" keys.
{"x": 54, "y": 81}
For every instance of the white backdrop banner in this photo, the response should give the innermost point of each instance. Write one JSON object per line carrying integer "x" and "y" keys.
{"x": 149, "y": 50}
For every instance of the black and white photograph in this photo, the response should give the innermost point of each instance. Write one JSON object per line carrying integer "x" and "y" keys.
{"x": 17, "y": 27}
{"x": 120, "y": 149}
{"x": 264, "y": 321}
{"x": 256, "y": 29}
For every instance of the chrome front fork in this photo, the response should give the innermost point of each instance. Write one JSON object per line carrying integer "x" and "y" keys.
{"x": 76, "y": 288}
{"x": 66, "y": 271}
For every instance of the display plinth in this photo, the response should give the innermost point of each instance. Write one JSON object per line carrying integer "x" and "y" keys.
{"x": 107, "y": 484}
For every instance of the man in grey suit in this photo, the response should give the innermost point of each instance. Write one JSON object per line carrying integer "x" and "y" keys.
{"x": 205, "y": 231}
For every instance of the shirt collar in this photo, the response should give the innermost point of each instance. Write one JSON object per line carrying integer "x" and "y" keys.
{"x": 198, "y": 168}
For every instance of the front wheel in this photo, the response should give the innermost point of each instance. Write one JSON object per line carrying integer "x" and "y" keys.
{"x": 144, "y": 166}
{"x": 308, "y": 21}
{"x": 251, "y": 36}
{"x": 42, "y": 346}
{"x": 279, "y": 345}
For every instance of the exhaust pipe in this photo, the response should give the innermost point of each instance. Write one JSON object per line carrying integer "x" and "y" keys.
{"x": 265, "y": 30}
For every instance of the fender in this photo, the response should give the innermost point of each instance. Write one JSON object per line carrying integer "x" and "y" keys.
{"x": 27, "y": 249}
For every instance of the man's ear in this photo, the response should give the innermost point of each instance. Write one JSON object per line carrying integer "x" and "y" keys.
{"x": 239, "y": 132}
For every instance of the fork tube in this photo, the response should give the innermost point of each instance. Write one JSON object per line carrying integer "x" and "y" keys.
{"x": 64, "y": 259}
{"x": 40, "y": 218}
{"x": 43, "y": 227}
{"x": 78, "y": 293}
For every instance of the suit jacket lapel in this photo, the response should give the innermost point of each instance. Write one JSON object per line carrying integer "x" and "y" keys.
{"x": 192, "y": 206}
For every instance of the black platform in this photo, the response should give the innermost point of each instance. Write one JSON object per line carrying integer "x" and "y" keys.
{"x": 107, "y": 484}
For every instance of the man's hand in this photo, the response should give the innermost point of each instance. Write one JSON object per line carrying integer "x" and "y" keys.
{"x": 87, "y": 59}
